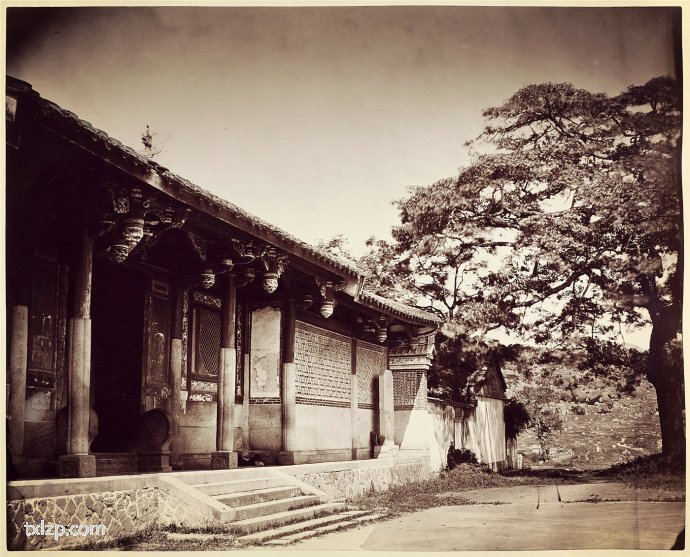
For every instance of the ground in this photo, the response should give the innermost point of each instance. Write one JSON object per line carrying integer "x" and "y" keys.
{"x": 471, "y": 508}
{"x": 595, "y": 515}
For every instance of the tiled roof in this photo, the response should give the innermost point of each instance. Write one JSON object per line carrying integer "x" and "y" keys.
{"x": 231, "y": 210}
{"x": 51, "y": 111}
{"x": 397, "y": 309}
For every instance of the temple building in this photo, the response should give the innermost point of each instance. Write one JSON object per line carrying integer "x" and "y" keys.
{"x": 153, "y": 326}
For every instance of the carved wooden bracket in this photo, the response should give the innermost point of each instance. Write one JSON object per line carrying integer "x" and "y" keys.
{"x": 136, "y": 220}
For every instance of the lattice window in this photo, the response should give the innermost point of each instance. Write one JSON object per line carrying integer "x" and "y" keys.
{"x": 208, "y": 342}
{"x": 323, "y": 363}
{"x": 371, "y": 362}
{"x": 204, "y": 344}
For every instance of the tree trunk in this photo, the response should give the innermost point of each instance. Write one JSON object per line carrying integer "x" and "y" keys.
{"x": 665, "y": 372}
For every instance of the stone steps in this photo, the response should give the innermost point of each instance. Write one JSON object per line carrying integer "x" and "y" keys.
{"x": 257, "y": 499}
{"x": 258, "y": 496}
{"x": 214, "y": 489}
{"x": 273, "y": 508}
{"x": 251, "y": 525}
{"x": 291, "y": 533}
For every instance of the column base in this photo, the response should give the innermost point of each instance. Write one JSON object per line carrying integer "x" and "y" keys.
{"x": 223, "y": 460}
{"x": 156, "y": 462}
{"x": 77, "y": 466}
{"x": 387, "y": 450}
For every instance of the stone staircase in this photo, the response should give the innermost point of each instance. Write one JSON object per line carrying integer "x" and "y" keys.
{"x": 264, "y": 505}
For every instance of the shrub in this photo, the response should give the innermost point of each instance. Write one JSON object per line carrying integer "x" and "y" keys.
{"x": 460, "y": 456}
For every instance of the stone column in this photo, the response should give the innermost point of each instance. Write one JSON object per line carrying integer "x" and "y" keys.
{"x": 176, "y": 403}
{"x": 288, "y": 388}
{"x": 225, "y": 456}
{"x": 409, "y": 371}
{"x": 386, "y": 416}
{"x": 19, "y": 359}
{"x": 78, "y": 463}
{"x": 354, "y": 394}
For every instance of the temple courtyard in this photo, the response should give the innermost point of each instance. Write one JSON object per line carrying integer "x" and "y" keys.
{"x": 599, "y": 514}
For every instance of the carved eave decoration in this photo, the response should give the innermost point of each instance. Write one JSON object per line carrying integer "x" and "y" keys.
{"x": 327, "y": 289}
{"x": 412, "y": 351}
{"x": 135, "y": 219}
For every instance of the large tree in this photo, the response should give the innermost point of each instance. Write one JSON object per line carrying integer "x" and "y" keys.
{"x": 566, "y": 225}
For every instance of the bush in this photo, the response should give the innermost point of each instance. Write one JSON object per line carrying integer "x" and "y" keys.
{"x": 460, "y": 456}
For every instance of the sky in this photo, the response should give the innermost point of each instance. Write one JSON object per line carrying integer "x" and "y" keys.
{"x": 317, "y": 119}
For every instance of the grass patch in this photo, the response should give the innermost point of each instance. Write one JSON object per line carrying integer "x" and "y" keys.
{"x": 425, "y": 494}
{"x": 656, "y": 471}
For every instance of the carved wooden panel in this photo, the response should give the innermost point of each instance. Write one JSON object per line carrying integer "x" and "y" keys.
{"x": 158, "y": 341}
{"x": 323, "y": 364}
{"x": 409, "y": 389}
{"x": 239, "y": 361}
{"x": 185, "y": 336}
{"x": 43, "y": 322}
{"x": 371, "y": 361}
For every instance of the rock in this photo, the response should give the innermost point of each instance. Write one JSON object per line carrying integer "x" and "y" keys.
{"x": 579, "y": 410}
{"x": 579, "y": 395}
{"x": 604, "y": 410}
{"x": 594, "y": 396}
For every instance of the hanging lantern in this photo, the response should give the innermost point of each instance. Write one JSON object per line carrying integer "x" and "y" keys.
{"x": 132, "y": 231}
{"x": 118, "y": 251}
{"x": 208, "y": 278}
{"x": 327, "y": 308}
{"x": 270, "y": 282}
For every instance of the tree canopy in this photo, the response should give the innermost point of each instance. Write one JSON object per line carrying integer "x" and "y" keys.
{"x": 566, "y": 226}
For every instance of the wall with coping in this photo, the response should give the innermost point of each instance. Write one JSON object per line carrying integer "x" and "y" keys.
{"x": 480, "y": 429}
{"x": 347, "y": 480}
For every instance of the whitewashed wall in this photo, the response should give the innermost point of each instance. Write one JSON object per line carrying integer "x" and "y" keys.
{"x": 480, "y": 429}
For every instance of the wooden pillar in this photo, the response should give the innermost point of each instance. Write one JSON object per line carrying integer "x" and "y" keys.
{"x": 77, "y": 462}
{"x": 19, "y": 354}
{"x": 225, "y": 455}
{"x": 288, "y": 388}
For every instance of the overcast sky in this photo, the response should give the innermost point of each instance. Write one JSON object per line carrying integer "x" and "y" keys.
{"x": 315, "y": 119}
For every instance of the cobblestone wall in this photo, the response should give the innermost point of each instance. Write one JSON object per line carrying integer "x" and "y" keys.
{"x": 122, "y": 512}
{"x": 351, "y": 483}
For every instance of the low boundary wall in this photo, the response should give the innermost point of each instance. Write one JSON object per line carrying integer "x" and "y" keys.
{"x": 349, "y": 479}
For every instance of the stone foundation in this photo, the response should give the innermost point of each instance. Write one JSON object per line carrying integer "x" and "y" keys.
{"x": 127, "y": 505}
{"x": 123, "y": 513}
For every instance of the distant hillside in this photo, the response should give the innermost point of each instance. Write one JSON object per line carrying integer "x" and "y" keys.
{"x": 605, "y": 421}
